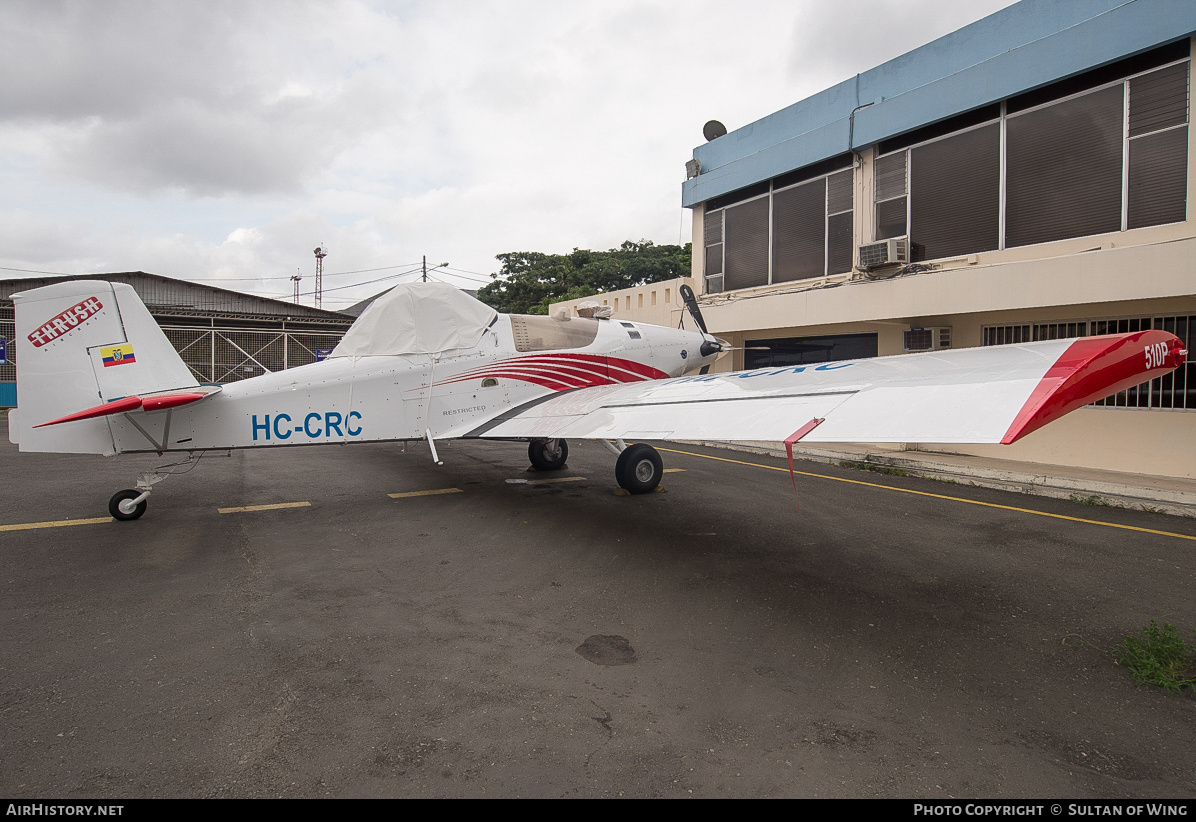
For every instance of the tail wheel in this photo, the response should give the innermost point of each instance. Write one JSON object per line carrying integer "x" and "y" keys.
{"x": 548, "y": 455}
{"x": 121, "y": 507}
{"x": 639, "y": 468}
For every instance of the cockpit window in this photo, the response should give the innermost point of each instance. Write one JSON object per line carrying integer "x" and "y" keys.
{"x": 535, "y": 333}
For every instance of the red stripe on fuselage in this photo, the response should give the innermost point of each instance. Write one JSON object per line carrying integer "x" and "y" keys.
{"x": 563, "y": 371}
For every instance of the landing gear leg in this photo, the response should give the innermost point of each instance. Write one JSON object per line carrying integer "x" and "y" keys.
{"x": 639, "y": 468}
{"x": 131, "y": 503}
{"x": 548, "y": 454}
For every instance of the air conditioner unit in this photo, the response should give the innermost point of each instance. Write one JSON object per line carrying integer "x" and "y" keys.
{"x": 926, "y": 339}
{"x": 894, "y": 251}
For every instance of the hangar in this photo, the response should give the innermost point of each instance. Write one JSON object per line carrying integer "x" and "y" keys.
{"x": 222, "y": 335}
{"x": 1026, "y": 177}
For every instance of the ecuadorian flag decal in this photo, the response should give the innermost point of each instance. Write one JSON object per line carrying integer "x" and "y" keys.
{"x": 118, "y": 355}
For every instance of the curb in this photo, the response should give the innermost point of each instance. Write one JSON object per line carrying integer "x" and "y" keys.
{"x": 1047, "y": 481}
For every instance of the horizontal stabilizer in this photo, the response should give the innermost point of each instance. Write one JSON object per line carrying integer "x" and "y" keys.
{"x": 161, "y": 402}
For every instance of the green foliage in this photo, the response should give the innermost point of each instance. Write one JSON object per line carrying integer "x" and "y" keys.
{"x": 1160, "y": 657}
{"x": 530, "y": 280}
{"x": 1095, "y": 499}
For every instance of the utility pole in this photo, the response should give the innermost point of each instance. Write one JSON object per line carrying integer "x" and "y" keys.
{"x": 295, "y": 278}
{"x": 425, "y": 268}
{"x": 320, "y": 255}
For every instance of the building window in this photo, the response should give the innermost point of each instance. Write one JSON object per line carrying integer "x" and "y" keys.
{"x": 790, "y": 231}
{"x": 840, "y": 242}
{"x": 1174, "y": 391}
{"x": 892, "y": 209}
{"x": 1158, "y": 147}
{"x": 1100, "y": 152}
{"x": 955, "y": 194}
{"x": 1064, "y": 169}
{"x": 745, "y": 244}
{"x": 1109, "y": 157}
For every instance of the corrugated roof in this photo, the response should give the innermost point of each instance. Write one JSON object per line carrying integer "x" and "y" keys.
{"x": 165, "y": 295}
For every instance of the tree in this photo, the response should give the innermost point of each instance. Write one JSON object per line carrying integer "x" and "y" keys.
{"x": 530, "y": 280}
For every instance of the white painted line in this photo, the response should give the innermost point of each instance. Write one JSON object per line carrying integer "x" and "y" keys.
{"x": 62, "y": 523}
{"x": 406, "y": 494}
{"x": 248, "y": 508}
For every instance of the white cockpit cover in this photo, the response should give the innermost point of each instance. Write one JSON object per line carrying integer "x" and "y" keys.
{"x": 417, "y": 318}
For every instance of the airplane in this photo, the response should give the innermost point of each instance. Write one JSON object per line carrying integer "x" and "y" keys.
{"x": 426, "y": 361}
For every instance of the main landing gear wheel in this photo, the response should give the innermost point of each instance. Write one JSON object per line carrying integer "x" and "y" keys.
{"x": 639, "y": 468}
{"x": 121, "y": 505}
{"x": 548, "y": 455}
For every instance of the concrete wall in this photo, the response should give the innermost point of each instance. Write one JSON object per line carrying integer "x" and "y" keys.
{"x": 655, "y": 303}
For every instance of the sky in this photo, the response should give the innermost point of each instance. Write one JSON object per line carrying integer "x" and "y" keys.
{"x": 222, "y": 142}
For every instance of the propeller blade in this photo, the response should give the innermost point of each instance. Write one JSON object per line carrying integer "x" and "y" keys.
{"x": 691, "y": 303}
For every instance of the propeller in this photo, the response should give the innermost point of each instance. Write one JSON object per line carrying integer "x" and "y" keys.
{"x": 712, "y": 344}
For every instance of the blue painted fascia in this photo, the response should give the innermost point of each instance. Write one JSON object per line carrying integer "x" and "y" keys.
{"x": 1024, "y": 46}
{"x": 1121, "y": 32}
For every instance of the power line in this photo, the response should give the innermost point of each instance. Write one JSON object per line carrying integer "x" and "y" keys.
{"x": 366, "y": 282}
{"x": 34, "y": 271}
{"x": 467, "y": 275}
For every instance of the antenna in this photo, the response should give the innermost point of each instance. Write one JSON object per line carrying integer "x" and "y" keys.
{"x": 320, "y": 255}
{"x": 713, "y": 130}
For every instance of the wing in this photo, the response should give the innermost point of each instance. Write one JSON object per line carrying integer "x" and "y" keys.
{"x": 995, "y": 394}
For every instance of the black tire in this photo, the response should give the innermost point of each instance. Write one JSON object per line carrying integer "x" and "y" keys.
{"x": 639, "y": 468}
{"x": 121, "y": 496}
{"x": 548, "y": 455}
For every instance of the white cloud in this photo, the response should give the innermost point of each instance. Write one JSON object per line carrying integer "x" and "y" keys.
{"x": 219, "y": 139}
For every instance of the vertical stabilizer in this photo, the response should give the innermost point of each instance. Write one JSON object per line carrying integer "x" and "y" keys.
{"x": 81, "y": 344}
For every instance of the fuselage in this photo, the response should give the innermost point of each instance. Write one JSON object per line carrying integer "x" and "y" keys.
{"x": 343, "y": 399}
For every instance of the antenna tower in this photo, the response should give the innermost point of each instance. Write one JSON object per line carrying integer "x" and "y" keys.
{"x": 295, "y": 278}
{"x": 320, "y": 255}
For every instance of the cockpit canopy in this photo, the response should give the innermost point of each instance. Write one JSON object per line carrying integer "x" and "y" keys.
{"x": 561, "y": 333}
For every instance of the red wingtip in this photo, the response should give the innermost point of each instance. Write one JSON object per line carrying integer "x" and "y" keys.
{"x": 1091, "y": 369}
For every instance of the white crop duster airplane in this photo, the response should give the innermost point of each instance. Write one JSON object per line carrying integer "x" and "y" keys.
{"x": 425, "y": 361}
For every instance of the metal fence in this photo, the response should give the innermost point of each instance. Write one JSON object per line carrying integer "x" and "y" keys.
{"x": 8, "y": 372}
{"x": 218, "y": 356}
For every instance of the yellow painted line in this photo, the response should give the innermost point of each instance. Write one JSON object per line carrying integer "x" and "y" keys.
{"x": 554, "y": 479}
{"x": 673, "y": 470}
{"x": 939, "y": 496}
{"x": 62, "y": 523}
{"x": 406, "y": 494}
{"x": 247, "y": 508}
